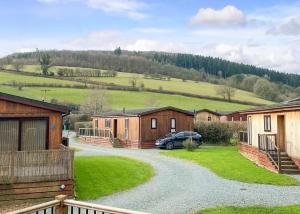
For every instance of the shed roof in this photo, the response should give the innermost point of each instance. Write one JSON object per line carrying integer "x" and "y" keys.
{"x": 278, "y": 107}
{"x": 140, "y": 112}
{"x": 35, "y": 103}
{"x": 216, "y": 112}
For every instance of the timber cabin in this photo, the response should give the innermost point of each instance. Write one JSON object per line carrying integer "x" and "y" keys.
{"x": 33, "y": 161}
{"x": 272, "y": 139}
{"x": 137, "y": 128}
{"x": 206, "y": 115}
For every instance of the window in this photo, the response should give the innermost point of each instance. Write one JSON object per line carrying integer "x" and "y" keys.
{"x": 267, "y": 123}
{"x": 126, "y": 129}
{"x": 96, "y": 124}
{"x": 241, "y": 118}
{"x": 107, "y": 123}
{"x": 153, "y": 123}
{"x": 20, "y": 134}
{"x": 209, "y": 118}
{"x": 173, "y": 125}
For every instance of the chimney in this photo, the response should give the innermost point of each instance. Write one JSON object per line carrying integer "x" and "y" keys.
{"x": 123, "y": 110}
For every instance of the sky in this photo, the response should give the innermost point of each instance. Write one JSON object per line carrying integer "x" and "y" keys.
{"x": 264, "y": 33}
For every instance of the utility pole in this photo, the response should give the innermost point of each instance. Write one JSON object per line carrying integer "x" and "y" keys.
{"x": 45, "y": 94}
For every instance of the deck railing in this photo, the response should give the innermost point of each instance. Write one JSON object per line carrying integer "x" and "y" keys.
{"x": 62, "y": 205}
{"x": 268, "y": 144}
{"x": 102, "y": 133}
{"x": 36, "y": 166}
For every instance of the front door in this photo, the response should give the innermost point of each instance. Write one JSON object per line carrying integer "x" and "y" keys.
{"x": 115, "y": 128}
{"x": 281, "y": 132}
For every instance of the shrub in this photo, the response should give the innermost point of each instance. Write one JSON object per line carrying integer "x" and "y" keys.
{"x": 233, "y": 140}
{"x": 189, "y": 145}
{"x": 217, "y": 132}
{"x": 117, "y": 143}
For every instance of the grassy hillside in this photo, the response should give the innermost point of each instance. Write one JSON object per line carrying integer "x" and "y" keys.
{"x": 127, "y": 99}
{"x": 177, "y": 85}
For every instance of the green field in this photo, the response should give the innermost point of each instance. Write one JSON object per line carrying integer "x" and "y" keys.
{"x": 103, "y": 175}
{"x": 19, "y": 78}
{"x": 227, "y": 162}
{"x": 253, "y": 210}
{"x": 127, "y": 99}
{"x": 199, "y": 88}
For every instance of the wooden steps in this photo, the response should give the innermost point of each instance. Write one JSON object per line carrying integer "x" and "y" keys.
{"x": 288, "y": 166}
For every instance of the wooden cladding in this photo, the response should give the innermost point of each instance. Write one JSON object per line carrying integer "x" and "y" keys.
{"x": 36, "y": 166}
{"x": 23, "y": 134}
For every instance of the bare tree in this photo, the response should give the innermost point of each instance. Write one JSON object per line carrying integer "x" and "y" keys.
{"x": 225, "y": 91}
{"x": 18, "y": 65}
{"x": 96, "y": 103}
{"x": 133, "y": 82}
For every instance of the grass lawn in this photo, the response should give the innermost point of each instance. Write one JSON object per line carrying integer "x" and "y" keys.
{"x": 103, "y": 175}
{"x": 201, "y": 88}
{"x": 127, "y": 99}
{"x": 9, "y": 77}
{"x": 227, "y": 162}
{"x": 253, "y": 210}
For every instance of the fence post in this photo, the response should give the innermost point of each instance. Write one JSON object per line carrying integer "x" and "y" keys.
{"x": 61, "y": 209}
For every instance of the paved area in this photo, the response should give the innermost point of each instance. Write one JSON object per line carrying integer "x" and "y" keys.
{"x": 181, "y": 186}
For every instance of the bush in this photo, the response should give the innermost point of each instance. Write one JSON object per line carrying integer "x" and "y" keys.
{"x": 217, "y": 132}
{"x": 72, "y": 119}
{"x": 117, "y": 143}
{"x": 189, "y": 145}
{"x": 234, "y": 141}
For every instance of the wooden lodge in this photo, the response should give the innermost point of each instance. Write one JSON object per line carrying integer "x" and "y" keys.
{"x": 206, "y": 115}
{"x": 137, "y": 128}
{"x": 272, "y": 139}
{"x": 33, "y": 161}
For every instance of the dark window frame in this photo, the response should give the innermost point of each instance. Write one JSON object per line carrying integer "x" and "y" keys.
{"x": 267, "y": 127}
{"x": 151, "y": 125}
{"x": 21, "y": 120}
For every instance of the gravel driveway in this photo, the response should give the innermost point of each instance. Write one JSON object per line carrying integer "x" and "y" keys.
{"x": 181, "y": 187}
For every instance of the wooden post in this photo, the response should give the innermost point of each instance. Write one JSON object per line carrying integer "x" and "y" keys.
{"x": 61, "y": 209}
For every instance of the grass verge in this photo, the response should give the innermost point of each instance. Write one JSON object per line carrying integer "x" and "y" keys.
{"x": 227, "y": 162}
{"x": 103, "y": 175}
{"x": 253, "y": 210}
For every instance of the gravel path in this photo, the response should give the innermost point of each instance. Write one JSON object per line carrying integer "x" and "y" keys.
{"x": 182, "y": 187}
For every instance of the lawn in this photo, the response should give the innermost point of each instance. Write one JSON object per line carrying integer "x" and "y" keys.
{"x": 200, "y": 88}
{"x": 103, "y": 175}
{"x": 10, "y": 77}
{"x": 227, "y": 162}
{"x": 253, "y": 210}
{"x": 127, "y": 99}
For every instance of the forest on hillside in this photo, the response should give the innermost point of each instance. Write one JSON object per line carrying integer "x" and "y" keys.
{"x": 267, "y": 84}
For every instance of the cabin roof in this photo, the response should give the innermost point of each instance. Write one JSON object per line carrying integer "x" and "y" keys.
{"x": 278, "y": 107}
{"x": 34, "y": 103}
{"x": 140, "y": 112}
{"x": 216, "y": 112}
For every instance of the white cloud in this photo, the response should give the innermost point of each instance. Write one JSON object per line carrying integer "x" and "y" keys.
{"x": 131, "y": 8}
{"x": 228, "y": 16}
{"x": 291, "y": 27}
{"x": 154, "y": 30}
{"x": 105, "y": 40}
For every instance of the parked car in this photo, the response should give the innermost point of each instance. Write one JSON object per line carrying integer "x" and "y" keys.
{"x": 175, "y": 140}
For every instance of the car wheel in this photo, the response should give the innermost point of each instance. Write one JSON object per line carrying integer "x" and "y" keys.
{"x": 170, "y": 146}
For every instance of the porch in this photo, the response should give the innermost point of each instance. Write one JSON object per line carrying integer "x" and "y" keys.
{"x": 269, "y": 153}
{"x": 35, "y": 174}
{"x": 96, "y": 136}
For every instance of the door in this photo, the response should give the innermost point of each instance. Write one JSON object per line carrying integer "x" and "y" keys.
{"x": 115, "y": 128}
{"x": 249, "y": 125}
{"x": 281, "y": 132}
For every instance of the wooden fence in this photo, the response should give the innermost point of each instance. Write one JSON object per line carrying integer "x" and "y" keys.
{"x": 62, "y": 205}
{"x": 36, "y": 166}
